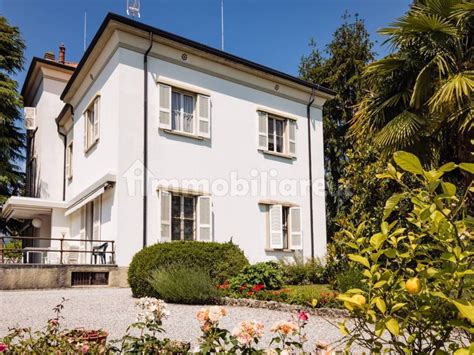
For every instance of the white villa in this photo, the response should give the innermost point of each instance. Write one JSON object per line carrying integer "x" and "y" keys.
{"x": 153, "y": 138}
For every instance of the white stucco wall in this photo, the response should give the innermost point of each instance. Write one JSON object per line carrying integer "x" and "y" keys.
{"x": 48, "y": 145}
{"x": 232, "y": 148}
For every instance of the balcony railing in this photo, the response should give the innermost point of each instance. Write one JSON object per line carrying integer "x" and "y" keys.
{"x": 70, "y": 251}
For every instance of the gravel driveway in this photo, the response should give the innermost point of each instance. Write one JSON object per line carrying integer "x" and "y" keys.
{"x": 113, "y": 310}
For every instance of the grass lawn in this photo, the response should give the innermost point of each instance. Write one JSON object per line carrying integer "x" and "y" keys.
{"x": 305, "y": 294}
{"x": 308, "y": 291}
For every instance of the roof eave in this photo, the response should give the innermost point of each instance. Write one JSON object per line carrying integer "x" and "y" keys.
{"x": 124, "y": 20}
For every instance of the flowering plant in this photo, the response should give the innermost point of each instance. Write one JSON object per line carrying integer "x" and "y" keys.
{"x": 246, "y": 335}
{"x": 53, "y": 339}
{"x": 150, "y": 315}
{"x": 290, "y": 334}
{"x": 214, "y": 339}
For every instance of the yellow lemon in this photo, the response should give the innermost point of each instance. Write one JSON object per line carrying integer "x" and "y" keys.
{"x": 359, "y": 299}
{"x": 413, "y": 286}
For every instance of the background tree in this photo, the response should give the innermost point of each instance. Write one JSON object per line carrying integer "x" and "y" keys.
{"x": 420, "y": 96}
{"x": 11, "y": 135}
{"x": 341, "y": 70}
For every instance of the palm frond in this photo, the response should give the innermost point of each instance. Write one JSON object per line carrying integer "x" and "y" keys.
{"x": 385, "y": 66}
{"x": 401, "y": 131}
{"x": 458, "y": 88}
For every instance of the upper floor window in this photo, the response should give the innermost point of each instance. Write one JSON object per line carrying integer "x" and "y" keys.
{"x": 184, "y": 112}
{"x": 91, "y": 124}
{"x": 276, "y": 134}
{"x": 69, "y": 160}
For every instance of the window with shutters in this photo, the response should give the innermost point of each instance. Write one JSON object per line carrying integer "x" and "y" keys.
{"x": 276, "y": 135}
{"x": 69, "y": 160}
{"x": 284, "y": 228}
{"x": 91, "y": 124}
{"x": 184, "y": 112}
{"x": 185, "y": 217}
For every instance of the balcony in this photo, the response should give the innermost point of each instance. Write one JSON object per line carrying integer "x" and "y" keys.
{"x": 56, "y": 251}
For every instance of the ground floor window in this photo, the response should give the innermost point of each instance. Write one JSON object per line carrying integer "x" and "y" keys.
{"x": 284, "y": 227}
{"x": 183, "y": 217}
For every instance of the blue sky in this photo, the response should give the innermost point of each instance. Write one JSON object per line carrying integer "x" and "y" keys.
{"x": 274, "y": 33}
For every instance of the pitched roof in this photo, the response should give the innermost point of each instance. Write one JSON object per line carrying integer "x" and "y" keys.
{"x": 36, "y": 60}
{"x": 193, "y": 44}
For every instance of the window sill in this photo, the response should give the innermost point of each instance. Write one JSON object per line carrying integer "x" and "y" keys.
{"x": 89, "y": 148}
{"x": 280, "y": 250}
{"x": 182, "y": 134}
{"x": 281, "y": 155}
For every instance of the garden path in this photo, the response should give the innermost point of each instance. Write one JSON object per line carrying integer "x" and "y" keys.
{"x": 113, "y": 310}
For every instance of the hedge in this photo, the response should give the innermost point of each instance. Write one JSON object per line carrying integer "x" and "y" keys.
{"x": 221, "y": 260}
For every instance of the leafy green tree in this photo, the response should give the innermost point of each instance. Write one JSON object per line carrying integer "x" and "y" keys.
{"x": 420, "y": 96}
{"x": 417, "y": 268}
{"x": 11, "y": 136}
{"x": 346, "y": 56}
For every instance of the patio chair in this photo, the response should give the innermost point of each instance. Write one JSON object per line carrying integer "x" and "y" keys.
{"x": 99, "y": 251}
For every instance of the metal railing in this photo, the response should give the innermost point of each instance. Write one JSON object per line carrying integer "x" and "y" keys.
{"x": 19, "y": 255}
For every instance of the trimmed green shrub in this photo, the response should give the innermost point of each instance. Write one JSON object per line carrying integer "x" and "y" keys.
{"x": 220, "y": 260}
{"x": 268, "y": 274}
{"x": 301, "y": 272}
{"x": 184, "y": 284}
{"x": 349, "y": 279}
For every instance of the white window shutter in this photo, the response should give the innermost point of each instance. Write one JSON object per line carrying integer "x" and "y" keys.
{"x": 165, "y": 106}
{"x": 262, "y": 130}
{"x": 68, "y": 162}
{"x": 204, "y": 218}
{"x": 296, "y": 235}
{"x": 97, "y": 212}
{"x": 276, "y": 227}
{"x": 165, "y": 200}
{"x": 82, "y": 230}
{"x": 96, "y": 127}
{"x": 204, "y": 116}
{"x": 86, "y": 124}
{"x": 292, "y": 137}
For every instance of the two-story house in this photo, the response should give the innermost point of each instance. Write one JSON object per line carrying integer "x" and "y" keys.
{"x": 154, "y": 138}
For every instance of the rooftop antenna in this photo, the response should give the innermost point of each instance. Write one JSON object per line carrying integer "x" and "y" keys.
{"x": 133, "y": 8}
{"x": 222, "y": 24}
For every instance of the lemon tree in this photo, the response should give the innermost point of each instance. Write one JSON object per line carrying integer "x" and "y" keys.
{"x": 418, "y": 268}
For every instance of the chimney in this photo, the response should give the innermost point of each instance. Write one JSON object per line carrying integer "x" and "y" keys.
{"x": 49, "y": 56}
{"x": 62, "y": 54}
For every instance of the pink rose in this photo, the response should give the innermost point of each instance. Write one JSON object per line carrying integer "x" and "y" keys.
{"x": 85, "y": 348}
{"x": 3, "y": 347}
{"x": 303, "y": 316}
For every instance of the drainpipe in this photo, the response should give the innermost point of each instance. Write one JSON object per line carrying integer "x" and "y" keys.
{"x": 308, "y": 115}
{"x": 145, "y": 139}
{"x": 64, "y": 152}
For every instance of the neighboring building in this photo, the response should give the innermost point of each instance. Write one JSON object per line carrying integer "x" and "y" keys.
{"x": 217, "y": 128}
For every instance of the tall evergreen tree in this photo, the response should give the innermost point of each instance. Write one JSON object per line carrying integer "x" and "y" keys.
{"x": 11, "y": 136}
{"x": 341, "y": 70}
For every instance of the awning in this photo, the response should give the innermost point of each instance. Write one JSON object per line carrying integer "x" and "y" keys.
{"x": 85, "y": 200}
{"x": 20, "y": 207}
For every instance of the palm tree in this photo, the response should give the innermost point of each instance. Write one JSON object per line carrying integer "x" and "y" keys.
{"x": 421, "y": 95}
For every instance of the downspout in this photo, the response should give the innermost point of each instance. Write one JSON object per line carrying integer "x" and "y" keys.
{"x": 308, "y": 115}
{"x": 145, "y": 140}
{"x": 64, "y": 152}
